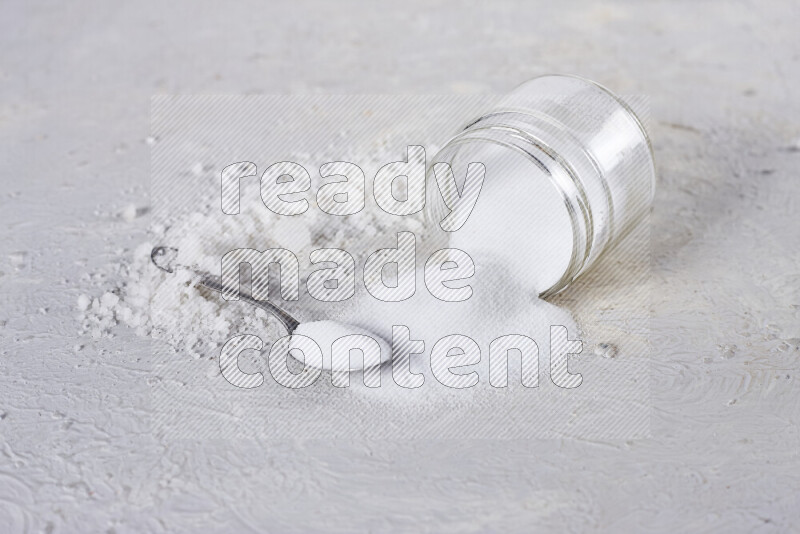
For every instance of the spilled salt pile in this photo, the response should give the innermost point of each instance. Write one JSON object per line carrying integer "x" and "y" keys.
{"x": 192, "y": 320}
{"x": 501, "y": 305}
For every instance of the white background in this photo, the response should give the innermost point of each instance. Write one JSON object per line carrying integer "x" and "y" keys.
{"x": 76, "y": 452}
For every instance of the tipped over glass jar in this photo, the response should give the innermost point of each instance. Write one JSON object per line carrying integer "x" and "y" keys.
{"x": 569, "y": 171}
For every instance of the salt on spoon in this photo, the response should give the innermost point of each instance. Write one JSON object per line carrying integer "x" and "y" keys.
{"x": 324, "y": 333}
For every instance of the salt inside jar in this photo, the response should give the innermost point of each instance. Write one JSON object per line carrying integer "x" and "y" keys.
{"x": 569, "y": 171}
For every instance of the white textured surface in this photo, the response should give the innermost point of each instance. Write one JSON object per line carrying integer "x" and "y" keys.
{"x": 77, "y": 454}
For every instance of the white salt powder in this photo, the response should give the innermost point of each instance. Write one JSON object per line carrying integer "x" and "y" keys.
{"x": 171, "y": 308}
{"x": 501, "y": 304}
{"x": 195, "y": 321}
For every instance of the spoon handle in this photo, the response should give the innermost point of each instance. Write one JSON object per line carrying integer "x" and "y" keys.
{"x": 163, "y": 258}
{"x": 213, "y": 282}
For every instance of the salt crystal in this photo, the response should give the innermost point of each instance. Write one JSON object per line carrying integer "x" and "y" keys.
{"x": 128, "y": 213}
{"x": 84, "y": 302}
{"x": 108, "y": 301}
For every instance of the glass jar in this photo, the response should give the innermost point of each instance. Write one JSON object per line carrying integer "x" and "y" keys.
{"x": 568, "y": 171}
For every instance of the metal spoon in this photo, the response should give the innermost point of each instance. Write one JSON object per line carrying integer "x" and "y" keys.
{"x": 164, "y": 259}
